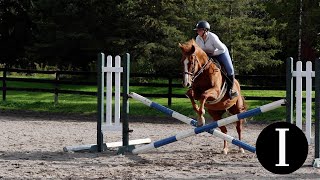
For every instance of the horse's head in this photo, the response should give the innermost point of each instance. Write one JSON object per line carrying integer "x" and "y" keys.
{"x": 192, "y": 58}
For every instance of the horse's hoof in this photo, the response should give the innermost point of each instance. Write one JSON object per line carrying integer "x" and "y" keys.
{"x": 199, "y": 125}
{"x": 225, "y": 151}
{"x": 201, "y": 121}
{"x": 241, "y": 150}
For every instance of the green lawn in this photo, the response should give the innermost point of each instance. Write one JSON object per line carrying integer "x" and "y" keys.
{"x": 84, "y": 104}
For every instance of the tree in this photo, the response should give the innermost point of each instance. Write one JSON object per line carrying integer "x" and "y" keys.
{"x": 151, "y": 31}
{"x": 15, "y": 31}
{"x": 287, "y": 13}
{"x": 72, "y": 33}
{"x": 310, "y": 29}
{"x": 249, "y": 32}
{"x": 69, "y": 34}
{"x": 245, "y": 27}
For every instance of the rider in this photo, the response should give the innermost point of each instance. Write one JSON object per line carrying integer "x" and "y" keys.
{"x": 212, "y": 45}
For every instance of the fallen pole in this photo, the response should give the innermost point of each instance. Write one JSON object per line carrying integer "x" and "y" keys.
{"x": 209, "y": 127}
{"x": 93, "y": 147}
{"x": 191, "y": 121}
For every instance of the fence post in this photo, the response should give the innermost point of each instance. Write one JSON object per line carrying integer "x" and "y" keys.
{"x": 125, "y": 100}
{"x": 317, "y": 108}
{"x": 56, "y": 89}
{"x": 4, "y": 85}
{"x": 289, "y": 90}
{"x": 100, "y": 97}
{"x": 170, "y": 91}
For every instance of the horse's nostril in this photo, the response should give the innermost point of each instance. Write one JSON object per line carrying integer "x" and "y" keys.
{"x": 185, "y": 84}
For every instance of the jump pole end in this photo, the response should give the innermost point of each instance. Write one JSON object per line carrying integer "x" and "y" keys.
{"x": 88, "y": 147}
{"x": 316, "y": 163}
{"x": 126, "y": 149}
{"x": 129, "y": 149}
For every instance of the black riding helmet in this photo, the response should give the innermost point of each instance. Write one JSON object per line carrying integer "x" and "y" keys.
{"x": 202, "y": 25}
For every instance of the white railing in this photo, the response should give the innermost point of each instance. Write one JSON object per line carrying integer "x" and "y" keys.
{"x": 113, "y": 66}
{"x": 299, "y": 74}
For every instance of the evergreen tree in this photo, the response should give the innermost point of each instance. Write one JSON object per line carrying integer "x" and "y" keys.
{"x": 244, "y": 26}
{"x": 288, "y": 12}
{"x": 15, "y": 31}
{"x": 249, "y": 32}
{"x": 152, "y": 31}
{"x": 69, "y": 34}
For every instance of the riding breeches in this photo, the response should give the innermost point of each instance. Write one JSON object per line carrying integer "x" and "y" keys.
{"x": 225, "y": 59}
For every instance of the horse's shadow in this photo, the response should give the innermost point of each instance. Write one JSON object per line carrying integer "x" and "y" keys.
{"x": 51, "y": 155}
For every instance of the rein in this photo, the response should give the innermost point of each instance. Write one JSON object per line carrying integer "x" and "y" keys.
{"x": 200, "y": 71}
{"x": 195, "y": 75}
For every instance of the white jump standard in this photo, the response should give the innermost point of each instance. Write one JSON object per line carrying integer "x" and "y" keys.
{"x": 295, "y": 100}
{"x": 105, "y": 120}
{"x": 208, "y": 127}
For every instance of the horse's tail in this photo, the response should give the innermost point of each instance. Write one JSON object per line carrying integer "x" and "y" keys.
{"x": 245, "y": 104}
{"x": 244, "y": 107}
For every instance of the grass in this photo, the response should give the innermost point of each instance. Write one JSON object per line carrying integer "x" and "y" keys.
{"x": 183, "y": 106}
{"x": 86, "y": 105}
{"x": 43, "y": 102}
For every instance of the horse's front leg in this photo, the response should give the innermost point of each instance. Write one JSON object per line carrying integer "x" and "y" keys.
{"x": 210, "y": 93}
{"x": 190, "y": 95}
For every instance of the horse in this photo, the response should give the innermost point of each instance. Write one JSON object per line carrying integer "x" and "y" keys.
{"x": 207, "y": 84}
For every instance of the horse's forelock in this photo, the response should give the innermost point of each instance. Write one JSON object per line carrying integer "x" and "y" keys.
{"x": 187, "y": 47}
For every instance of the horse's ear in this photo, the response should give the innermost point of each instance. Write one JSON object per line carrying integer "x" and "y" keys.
{"x": 182, "y": 47}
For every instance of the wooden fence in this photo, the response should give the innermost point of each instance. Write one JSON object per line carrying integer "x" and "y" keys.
{"x": 248, "y": 82}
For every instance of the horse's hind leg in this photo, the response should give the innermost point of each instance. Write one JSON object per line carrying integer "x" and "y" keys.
{"x": 217, "y": 115}
{"x": 236, "y": 109}
{"x": 239, "y": 129}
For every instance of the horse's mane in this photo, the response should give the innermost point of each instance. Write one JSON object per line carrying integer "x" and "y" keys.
{"x": 189, "y": 43}
{"x": 190, "y": 46}
{"x": 187, "y": 46}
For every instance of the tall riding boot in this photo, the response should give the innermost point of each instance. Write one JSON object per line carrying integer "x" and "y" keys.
{"x": 230, "y": 82}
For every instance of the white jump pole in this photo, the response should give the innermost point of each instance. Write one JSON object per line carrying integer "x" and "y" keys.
{"x": 208, "y": 127}
{"x": 190, "y": 121}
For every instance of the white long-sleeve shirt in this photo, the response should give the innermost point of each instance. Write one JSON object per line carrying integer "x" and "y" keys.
{"x": 212, "y": 45}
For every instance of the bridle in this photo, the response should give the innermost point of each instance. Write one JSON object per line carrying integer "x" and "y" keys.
{"x": 194, "y": 74}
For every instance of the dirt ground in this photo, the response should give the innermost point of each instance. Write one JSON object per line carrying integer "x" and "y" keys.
{"x": 32, "y": 148}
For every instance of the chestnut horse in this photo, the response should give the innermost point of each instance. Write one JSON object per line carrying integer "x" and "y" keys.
{"x": 207, "y": 85}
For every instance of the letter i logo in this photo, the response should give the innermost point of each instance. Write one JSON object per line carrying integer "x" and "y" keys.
{"x": 282, "y": 148}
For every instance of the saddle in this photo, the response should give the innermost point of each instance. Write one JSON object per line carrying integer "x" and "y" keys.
{"x": 221, "y": 67}
{"x": 224, "y": 73}
{"x": 224, "y": 86}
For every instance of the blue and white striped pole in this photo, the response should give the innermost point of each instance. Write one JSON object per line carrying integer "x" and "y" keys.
{"x": 208, "y": 127}
{"x": 191, "y": 121}
{"x": 163, "y": 109}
